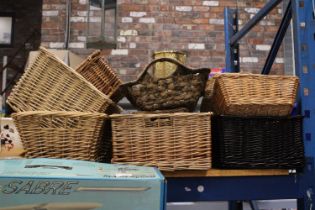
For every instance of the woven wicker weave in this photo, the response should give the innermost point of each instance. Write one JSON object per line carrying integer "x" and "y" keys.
{"x": 49, "y": 85}
{"x": 101, "y": 75}
{"x": 257, "y": 142}
{"x": 175, "y": 141}
{"x": 71, "y": 135}
{"x": 182, "y": 89}
{"x": 207, "y": 101}
{"x": 254, "y": 95}
{"x": 162, "y": 111}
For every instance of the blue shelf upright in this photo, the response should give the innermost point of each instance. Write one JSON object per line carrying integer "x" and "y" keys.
{"x": 304, "y": 47}
{"x": 300, "y": 186}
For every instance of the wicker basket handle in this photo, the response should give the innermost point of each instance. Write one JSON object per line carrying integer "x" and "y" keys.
{"x": 95, "y": 55}
{"x": 158, "y": 121}
{"x": 183, "y": 68}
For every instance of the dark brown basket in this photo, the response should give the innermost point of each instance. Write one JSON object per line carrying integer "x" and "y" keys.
{"x": 182, "y": 89}
{"x": 101, "y": 75}
{"x": 257, "y": 142}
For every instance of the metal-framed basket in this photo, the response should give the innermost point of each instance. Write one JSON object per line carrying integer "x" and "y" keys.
{"x": 253, "y": 94}
{"x": 173, "y": 141}
{"x": 101, "y": 75}
{"x": 257, "y": 142}
{"x": 60, "y": 134}
{"x": 50, "y": 85}
{"x": 181, "y": 89}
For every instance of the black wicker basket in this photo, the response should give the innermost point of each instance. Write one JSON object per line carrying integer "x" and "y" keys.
{"x": 257, "y": 142}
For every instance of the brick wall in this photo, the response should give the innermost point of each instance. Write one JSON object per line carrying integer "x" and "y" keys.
{"x": 145, "y": 26}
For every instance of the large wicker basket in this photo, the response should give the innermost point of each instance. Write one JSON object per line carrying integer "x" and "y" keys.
{"x": 254, "y": 95}
{"x": 59, "y": 134}
{"x": 257, "y": 142}
{"x": 50, "y": 85}
{"x": 175, "y": 141}
{"x": 101, "y": 75}
{"x": 182, "y": 89}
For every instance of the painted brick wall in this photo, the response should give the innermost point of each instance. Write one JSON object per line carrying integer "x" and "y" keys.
{"x": 145, "y": 26}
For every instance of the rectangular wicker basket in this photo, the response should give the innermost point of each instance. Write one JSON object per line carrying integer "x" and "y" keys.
{"x": 60, "y": 134}
{"x": 257, "y": 142}
{"x": 173, "y": 141}
{"x": 101, "y": 75}
{"x": 253, "y": 95}
{"x": 50, "y": 85}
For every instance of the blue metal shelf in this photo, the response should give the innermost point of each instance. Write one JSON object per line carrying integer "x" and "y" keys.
{"x": 233, "y": 188}
{"x": 299, "y": 186}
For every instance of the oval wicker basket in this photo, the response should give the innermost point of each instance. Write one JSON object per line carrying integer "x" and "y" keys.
{"x": 95, "y": 70}
{"x": 180, "y": 90}
{"x": 59, "y": 134}
{"x": 50, "y": 85}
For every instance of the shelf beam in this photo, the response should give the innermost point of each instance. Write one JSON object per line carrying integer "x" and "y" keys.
{"x": 226, "y": 173}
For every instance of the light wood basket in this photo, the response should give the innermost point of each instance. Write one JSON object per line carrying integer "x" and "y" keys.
{"x": 254, "y": 95}
{"x": 50, "y": 85}
{"x": 59, "y": 134}
{"x": 173, "y": 141}
{"x": 166, "y": 69}
{"x": 101, "y": 75}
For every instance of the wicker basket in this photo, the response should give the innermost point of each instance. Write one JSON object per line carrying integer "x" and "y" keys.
{"x": 181, "y": 89}
{"x": 59, "y": 134}
{"x": 257, "y": 142}
{"x": 177, "y": 141}
{"x": 165, "y": 69}
{"x": 207, "y": 101}
{"x": 162, "y": 111}
{"x": 101, "y": 75}
{"x": 254, "y": 95}
{"x": 49, "y": 85}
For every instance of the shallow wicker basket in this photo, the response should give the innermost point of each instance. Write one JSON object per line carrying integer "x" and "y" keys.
{"x": 175, "y": 141}
{"x": 50, "y": 85}
{"x": 180, "y": 90}
{"x": 59, "y": 134}
{"x": 254, "y": 95}
{"x": 101, "y": 75}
